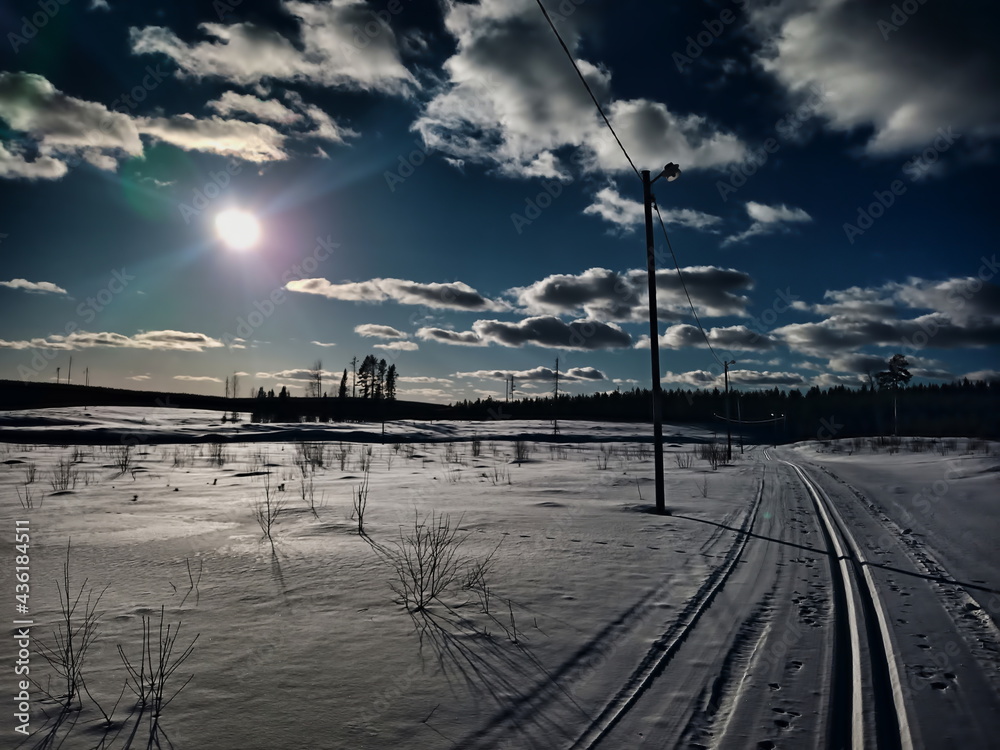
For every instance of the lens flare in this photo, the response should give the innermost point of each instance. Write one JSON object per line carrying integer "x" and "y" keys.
{"x": 237, "y": 229}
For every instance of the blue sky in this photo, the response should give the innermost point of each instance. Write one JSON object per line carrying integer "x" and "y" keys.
{"x": 434, "y": 185}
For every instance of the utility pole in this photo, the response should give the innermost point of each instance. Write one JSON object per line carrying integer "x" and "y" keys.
{"x": 57, "y": 375}
{"x": 729, "y": 425}
{"x": 671, "y": 172}
{"x": 555, "y": 403}
{"x": 86, "y": 377}
{"x": 69, "y": 375}
{"x": 739, "y": 417}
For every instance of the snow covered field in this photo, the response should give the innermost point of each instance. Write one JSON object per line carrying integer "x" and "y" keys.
{"x": 598, "y": 624}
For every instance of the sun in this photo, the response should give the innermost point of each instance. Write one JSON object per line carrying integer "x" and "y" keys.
{"x": 238, "y": 229}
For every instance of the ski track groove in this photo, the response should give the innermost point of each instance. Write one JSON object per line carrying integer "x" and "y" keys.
{"x": 664, "y": 648}
{"x": 872, "y": 619}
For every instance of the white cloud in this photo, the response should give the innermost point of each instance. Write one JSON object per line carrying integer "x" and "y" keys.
{"x": 321, "y": 343}
{"x": 324, "y": 53}
{"x": 512, "y": 100}
{"x": 373, "y": 330}
{"x": 543, "y": 374}
{"x": 767, "y": 220}
{"x": 627, "y": 214}
{"x": 198, "y": 378}
{"x": 13, "y": 165}
{"x": 268, "y": 110}
{"x": 607, "y": 295}
{"x": 452, "y": 295}
{"x": 166, "y": 340}
{"x": 398, "y": 346}
{"x": 424, "y": 379}
{"x": 938, "y": 71}
{"x": 746, "y": 378}
{"x": 62, "y": 127}
{"x": 43, "y": 287}
{"x": 250, "y": 141}
{"x": 730, "y": 338}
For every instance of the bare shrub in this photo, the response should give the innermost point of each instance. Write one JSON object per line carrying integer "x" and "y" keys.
{"x": 266, "y": 511}
{"x": 76, "y": 629}
{"x": 684, "y": 459}
{"x": 714, "y": 453}
{"x": 499, "y": 474}
{"x": 307, "y": 489}
{"x": 425, "y": 560}
{"x": 63, "y": 476}
{"x": 159, "y": 658}
{"x": 360, "y": 495}
{"x": 30, "y": 472}
{"x": 703, "y": 487}
{"x": 341, "y": 454}
{"x": 309, "y": 454}
{"x": 365, "y": 459}
{"x": 121, "y": 457}
{"x": 217, "y": 455}
{"x": 604, "y": 455}
{"x": 477, "y": 446}
{"x": 522, "y": 450}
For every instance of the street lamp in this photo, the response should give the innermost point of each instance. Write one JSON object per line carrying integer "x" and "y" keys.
{"x": 671, "y": 172}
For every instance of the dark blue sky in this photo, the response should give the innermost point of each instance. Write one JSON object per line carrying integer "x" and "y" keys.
{"x": 433, "y": 184}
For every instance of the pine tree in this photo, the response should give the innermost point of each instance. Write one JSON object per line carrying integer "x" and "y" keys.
{"x": 381, "y": 368}
{"x": 894, "y": 378}
{"x": 342, "y": 393}
{"x": 390, "y": 383}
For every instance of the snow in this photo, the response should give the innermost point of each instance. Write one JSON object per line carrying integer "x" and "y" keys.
{"x": 307, "y": 647}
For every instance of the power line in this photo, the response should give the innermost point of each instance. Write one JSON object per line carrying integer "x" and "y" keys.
{"x": 680, "y": 276}
{"x": 587, "y": 86}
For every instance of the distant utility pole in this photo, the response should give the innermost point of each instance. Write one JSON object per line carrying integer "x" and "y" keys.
{"x": 739, "y": 417}
{"x": 86, "y": 377}
{"x": 729, "y": 425}
{"x": 512, "y": 386}
{"x": 57, "y": 375}
{"x": 671, "y": 172}
{"x": 555, "y": 403}
{"x": 69, "y": 375}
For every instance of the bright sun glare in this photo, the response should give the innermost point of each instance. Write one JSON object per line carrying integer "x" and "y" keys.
{"x": 238, "y": 229}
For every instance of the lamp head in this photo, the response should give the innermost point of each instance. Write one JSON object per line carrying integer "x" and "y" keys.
{"x": 671, "y": 171}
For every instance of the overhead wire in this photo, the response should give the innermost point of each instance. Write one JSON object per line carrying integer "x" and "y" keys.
{"x": 680, "y": 276}
{"x": 587, "y": 86}
{"x": 607, "y": 122}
